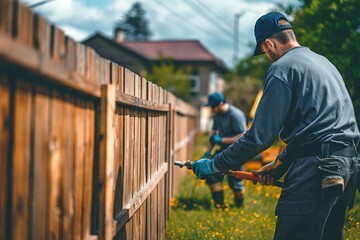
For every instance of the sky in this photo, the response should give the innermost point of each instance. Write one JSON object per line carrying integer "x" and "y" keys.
{"x": 212, "y": 22}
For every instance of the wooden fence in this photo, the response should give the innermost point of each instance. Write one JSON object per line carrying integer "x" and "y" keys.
{"x": 86, "y": 146}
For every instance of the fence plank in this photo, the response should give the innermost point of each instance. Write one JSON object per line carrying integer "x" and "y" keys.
{"x": 71, "y": 54}
{"x": 143, "y": 135}
{"x": 41, "y": 161}
{"x": 21, "y": 160}
{"x": 4, "y": 152}
{"x": 80, "y": 60}
{"x": 25, "y": 25}
{"x": 119, "y": 188}
{"x": 89, "y": 128}
{"x": 136, "y": 136}
{"x": 6, "y": 11}
{"x": 106, "y": 175}
{"x": 43, "y": 36}
{"x": 56, "y": 160}
{"x": 67, "y": 175}
{"x": 59, "y": 48}
{"x": 79, "y": 154}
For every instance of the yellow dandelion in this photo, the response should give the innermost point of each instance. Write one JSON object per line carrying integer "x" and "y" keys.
{"x": 267, "y": 194}
{"x": 174, "y": 202}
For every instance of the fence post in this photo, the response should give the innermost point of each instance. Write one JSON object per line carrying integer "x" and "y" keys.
{"x": 106, "y": 165}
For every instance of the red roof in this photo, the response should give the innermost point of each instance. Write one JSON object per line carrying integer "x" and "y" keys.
{"x": 179, "y": 50}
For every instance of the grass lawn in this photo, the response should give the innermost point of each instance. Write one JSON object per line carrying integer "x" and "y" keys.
{"x": 194, "y": 217}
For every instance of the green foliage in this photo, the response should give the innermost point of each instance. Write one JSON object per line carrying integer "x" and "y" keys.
{"x": 244, "y": 83}
{"x": 177, "y": 81}
{"x": 134, "y": 23}
{"x": 332, "y": 28}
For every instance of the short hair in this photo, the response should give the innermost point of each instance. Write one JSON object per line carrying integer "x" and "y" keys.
{"x": 285, "y": 36}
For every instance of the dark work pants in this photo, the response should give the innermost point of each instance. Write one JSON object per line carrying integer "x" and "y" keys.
{"x": 301, "y": 210}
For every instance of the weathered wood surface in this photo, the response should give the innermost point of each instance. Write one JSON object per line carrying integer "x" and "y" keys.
{"x": 87, "y": 147}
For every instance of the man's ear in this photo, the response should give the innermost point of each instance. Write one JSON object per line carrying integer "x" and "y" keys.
{"x": 270, "y": 43}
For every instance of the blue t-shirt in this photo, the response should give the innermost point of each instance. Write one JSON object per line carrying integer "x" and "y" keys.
{"x": 305, "y": 101}
{"x": 230, "y": 123}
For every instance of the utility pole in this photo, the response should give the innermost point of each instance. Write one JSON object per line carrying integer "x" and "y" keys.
{"x": 236, "y": 34}
{"x": 40, "y": 3}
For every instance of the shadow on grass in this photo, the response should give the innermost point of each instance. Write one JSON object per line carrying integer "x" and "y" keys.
{"x": 192, "y": 203}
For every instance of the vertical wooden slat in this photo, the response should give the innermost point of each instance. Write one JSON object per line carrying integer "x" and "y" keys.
{"x": 142, "y": 226}
{"x": 71, "y": 55}
{"x": 119, "y": 84}
{"x": 90, "y": 58}
{"x": 21, "y": 160}
{"x": 59, "y": 49}
{"x": 119, "y": 188}
{"x": 130, "y": 136}
{"x": 136, "y": 226}
{"x": 80, "y": 60}
{"x": 25, "y": 26}
{"x": 143, "y": 134}
{"x": 106, "y": 73}
{"x": 79, "y": 155}
{"x": 137, "y": 146}
{"x": 151, "y": 134}
{"x": 68, "y": 167}
{"x": 56, "y": 158}
{"x": 6, "y": 12}
{"x": 43, "y": 36}
{"x": 41, "y": 161}
{"x": 4, "y": 151}
{"x": 106, "y": 175}
{"x": 89, "y": 128}
{"x": 148, "y": 140}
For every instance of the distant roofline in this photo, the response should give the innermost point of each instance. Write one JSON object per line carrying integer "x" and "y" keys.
{"x": 215, "y": 60}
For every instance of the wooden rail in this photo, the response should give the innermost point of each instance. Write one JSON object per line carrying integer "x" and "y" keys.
{"x": 86, "y": 146}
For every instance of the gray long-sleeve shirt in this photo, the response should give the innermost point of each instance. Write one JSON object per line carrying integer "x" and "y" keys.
{"x": 305, "y": 101}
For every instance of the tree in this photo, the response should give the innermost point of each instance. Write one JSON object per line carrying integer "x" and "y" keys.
{"x": 331, "y": 28}
{"x": 134, "y": 24}
{"x": 177, "y": 81}
{"x": 245, "y": 81}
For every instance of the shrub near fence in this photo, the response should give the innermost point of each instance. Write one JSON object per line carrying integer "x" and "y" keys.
{"x": 86, "y": 146}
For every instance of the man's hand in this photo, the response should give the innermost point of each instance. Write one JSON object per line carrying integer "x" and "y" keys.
{"x": 204, "y": 167}
{"x": 270, "y": 172}
{"x": 206, "y": 154}
{"x": 215, "y": 139}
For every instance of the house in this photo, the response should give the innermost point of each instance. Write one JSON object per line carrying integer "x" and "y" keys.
{"x": 207, "y": 73}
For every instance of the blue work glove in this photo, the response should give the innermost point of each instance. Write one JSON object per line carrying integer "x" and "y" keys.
{"x": 206, "y": 154}
{"x": 215, "y": 139}
{"x": 204, "y": 167}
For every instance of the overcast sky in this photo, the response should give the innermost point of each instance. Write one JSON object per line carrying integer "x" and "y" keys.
{"x": 209, "y": 21}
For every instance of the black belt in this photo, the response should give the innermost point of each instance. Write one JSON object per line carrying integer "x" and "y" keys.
{"x": 325, "y": 150}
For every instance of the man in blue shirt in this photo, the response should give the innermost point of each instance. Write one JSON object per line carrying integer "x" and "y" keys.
{"x": 306, "y": 103}
{"x": 228, "y": 125}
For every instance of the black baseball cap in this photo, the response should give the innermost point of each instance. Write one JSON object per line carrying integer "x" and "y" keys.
{"x": 266, "y": 26}
{"x": 214, "y": 99}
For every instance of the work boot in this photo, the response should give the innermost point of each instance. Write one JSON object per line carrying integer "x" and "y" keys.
{"x": 218, "y": 198}
{"x": 239, "y": 198}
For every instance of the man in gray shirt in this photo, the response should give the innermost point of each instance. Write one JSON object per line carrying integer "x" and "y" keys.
{"x": 306, "y": 103}
{"x": 229, "y": 124}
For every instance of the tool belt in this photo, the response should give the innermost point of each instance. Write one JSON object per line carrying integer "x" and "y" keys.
{"x": 325, "y": 150}
{"x": 330, "y": 159}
